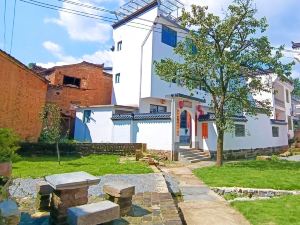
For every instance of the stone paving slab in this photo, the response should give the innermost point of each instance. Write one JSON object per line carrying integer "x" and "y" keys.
{"x": 202, "y": 206}
{"x": 150, "y": 208}
{"x": 211, "y": 213}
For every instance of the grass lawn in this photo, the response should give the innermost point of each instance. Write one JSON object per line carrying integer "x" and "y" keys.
{"x": 256, "y": 174}
{"x": 94, "y": 164}
{"x": 276, "y": 211}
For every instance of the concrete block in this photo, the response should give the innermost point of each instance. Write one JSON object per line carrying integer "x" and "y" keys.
{"x": 119, "y": 189}
{"x": 92, "y": 214}
{"x": 73, "y": 180}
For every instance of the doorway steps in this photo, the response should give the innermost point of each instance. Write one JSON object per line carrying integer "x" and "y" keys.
{"x": 193, "y": 155}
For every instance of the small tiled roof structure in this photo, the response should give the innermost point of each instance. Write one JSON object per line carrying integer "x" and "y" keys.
{"x": 20, "y": 64}
{"x": 212, "y": 117}
{"x": 44, "y": 71}
{"x": 278, "y": 122}
{"x": 142, "y": 116}
{"x": 295, "y": 45}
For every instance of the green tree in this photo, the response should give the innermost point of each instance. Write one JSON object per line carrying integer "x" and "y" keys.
{"x": 296, "y": 91}
{"x": 51, "y": 126}
{"x": 9, "y": 144}
{"x": 223, "y": 55}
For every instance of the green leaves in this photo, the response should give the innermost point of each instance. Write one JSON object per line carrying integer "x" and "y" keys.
{"x": 51, "y": 119}
{"x": 9, "y": 144}
{"x": 231, "y": 55}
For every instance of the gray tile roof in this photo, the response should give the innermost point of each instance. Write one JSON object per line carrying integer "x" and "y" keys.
{"x": 212, "y": 117}
{"x": 142, "y": 116}
{"x": 278, "y": 122}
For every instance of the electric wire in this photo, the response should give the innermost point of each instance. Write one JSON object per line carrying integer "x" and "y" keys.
{"x": 95, "y": 16}
{"x": 13, "y": 27}
{"x": 107, "y": 19}
{"x": 4, "y": 25}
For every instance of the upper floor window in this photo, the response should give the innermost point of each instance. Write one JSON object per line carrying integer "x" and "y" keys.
{"x": 287, "y": 96}
{"x": 117, "y": 78}
{"x": 169, "y": 36}
{"x": 275, "y": 131}
{"x": 290, "y": 126}
{"x": 158, "y": 108}
{"x": 87, "y": 116}
{"x": 119, "y": 46}
{"x": 71, "y": 81}
{"x": 239, "y": 130}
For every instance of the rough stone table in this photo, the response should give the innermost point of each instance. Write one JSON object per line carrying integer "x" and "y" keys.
{"x": 70, "y": 189}
{"x": 120, "y": 193}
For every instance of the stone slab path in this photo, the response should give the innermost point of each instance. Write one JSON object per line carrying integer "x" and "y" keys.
{"x": 202, "y": 206}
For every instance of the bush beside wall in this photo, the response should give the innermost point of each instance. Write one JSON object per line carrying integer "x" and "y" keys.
{"x": 80, "y": 149}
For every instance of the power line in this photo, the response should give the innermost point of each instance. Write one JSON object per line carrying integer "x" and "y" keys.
{"x": 72, "y": 10}
{"x": 116, "y": 13}
{"x": 75, "y": 13}
{"x": 94, "y": 16}
{"x": 13, "y": 27}
{"x": 4, "y": 25}
{"x": 104, "y": 18}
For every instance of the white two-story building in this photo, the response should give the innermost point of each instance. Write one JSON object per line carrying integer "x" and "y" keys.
{"x": 165, "y": 116}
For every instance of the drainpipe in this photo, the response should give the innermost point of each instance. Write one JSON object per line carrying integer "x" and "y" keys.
{"x": 131, "y": 128}
{"x": 173, "y": 119}
{"x": 141, "y": 63}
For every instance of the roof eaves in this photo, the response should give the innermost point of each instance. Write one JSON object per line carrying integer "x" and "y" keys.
{"x": 22, "y": 65}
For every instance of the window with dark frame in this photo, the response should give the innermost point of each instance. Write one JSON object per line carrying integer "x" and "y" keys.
{"x": 117, "y": 78}
{"x": 119, "y": 46}
{"x": 275, "y": 131}
{"x": 287, "y": 96}
{"x": 169, "y": 36}
{"x": 86, "y": 116}
{"x": 290, "y": 126}
{"x": 158, "y": 108}
{"x": 71, "y": 81}
{"x": 240, "y": 130}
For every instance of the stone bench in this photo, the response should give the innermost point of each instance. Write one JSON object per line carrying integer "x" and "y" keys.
{"x": 92, "y": 214}
{"x": 120, "y": 193}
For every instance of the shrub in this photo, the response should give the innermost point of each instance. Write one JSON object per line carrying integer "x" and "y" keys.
{"x": 9, "y": 144}
{"x": 274, "y": 158}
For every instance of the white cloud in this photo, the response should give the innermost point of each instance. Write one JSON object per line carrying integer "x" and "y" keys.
{"x": 81, "y": 28}
{"x": 265, "y": 8}
{"x": 52, "y": 47}
{"x": 98, "y": 57}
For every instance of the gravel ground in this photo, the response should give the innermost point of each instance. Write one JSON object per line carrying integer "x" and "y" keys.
{"x": 153, "y": 182}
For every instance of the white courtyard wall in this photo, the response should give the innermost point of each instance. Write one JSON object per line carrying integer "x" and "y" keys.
{"x": 156, "y": 133}
{"x": 258, "y": 135}
{"x": 99, "y": 129}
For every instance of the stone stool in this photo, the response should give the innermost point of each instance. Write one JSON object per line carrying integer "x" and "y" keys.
{"x": 120, "y": 193}
{"x": 44, "y": 191}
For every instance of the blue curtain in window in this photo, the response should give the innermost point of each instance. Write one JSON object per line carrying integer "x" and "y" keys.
{"x": 169, "y": 36}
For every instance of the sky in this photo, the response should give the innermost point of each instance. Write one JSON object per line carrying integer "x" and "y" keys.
{"x": 48, "y": 37}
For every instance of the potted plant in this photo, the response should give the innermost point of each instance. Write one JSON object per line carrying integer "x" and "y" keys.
{"x": 8, "y": 147}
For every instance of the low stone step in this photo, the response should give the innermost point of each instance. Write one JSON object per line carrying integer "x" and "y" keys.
{"x": 199, "y": 160}
{"x": 95, "y": 213}
{"x": 192, "y": 154}
{"x": 194, "y": 157}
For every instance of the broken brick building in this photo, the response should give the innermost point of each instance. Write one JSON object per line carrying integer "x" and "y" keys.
{"x": 82, "y": 84}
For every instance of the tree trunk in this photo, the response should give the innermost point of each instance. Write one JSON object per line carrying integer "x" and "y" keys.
{"x": 220, "y": 142}
{"x": 58, "y": 153}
